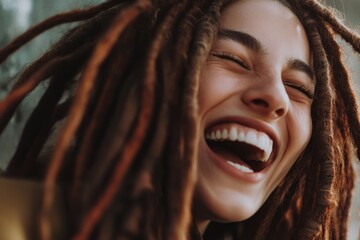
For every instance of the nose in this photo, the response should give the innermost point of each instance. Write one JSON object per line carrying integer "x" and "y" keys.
{"x": 268, "y": 98}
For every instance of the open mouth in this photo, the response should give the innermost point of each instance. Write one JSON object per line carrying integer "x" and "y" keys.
{"x": 245, "y": 149}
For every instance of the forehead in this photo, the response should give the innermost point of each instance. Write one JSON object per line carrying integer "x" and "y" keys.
{"x": 270, "y": 22}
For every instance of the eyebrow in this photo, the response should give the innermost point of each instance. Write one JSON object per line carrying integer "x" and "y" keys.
{"x": 254, "y": 45}
{"x": 243, "y": 38}
{"x": 299, "y": 65}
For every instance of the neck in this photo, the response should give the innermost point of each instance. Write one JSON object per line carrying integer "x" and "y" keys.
{"x": 202, "y": 225}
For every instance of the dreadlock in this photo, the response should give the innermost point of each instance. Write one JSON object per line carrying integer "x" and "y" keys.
{"x": 121, "y": 100}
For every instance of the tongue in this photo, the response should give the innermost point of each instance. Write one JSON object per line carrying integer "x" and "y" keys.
{"x": 240, "y": 153}
{"x": 229, "y": 155}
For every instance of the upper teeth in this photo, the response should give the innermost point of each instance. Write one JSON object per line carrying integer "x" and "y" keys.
{"x": 250, "y": 136}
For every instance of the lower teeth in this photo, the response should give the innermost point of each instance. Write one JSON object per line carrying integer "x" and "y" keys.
{"x": 242, "y": 168}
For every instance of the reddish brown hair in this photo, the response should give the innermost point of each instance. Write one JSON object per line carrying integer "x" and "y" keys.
{"x": 125, "y": 82}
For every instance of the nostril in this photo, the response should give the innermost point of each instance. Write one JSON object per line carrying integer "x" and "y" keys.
{"x": 280, "y": 112}
{"x": 261, "y": 103}
{"x": 265, "y": 105}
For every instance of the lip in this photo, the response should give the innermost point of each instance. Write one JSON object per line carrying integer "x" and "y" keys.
{"x": 251, "y": 123}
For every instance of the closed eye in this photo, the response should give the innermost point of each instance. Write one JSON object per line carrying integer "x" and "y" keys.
{"x": 233, "y": 58}
{"x": 303, "y": 89}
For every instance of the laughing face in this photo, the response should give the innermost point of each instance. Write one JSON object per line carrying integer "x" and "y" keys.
{"x": 255, "y": 99}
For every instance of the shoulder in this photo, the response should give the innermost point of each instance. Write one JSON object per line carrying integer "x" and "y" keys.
{"x": 20, "y": 205}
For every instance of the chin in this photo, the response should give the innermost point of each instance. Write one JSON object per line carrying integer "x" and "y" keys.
{"x": 224, "y": 205}
{"x": 232, "y": 213}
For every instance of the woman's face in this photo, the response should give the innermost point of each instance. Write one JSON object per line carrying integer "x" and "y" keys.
{"x": 255, "y": 99}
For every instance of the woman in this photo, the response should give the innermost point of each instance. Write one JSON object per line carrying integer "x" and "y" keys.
{"x": 182, "y": 119}
{"x": 256, "y": 94}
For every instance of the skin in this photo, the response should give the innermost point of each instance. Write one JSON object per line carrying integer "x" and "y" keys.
{"x": 261, "y": 90}
{"x": 20, "y": 207}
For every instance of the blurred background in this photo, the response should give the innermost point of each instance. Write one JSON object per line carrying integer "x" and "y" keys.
{"x": 18, "y": 15}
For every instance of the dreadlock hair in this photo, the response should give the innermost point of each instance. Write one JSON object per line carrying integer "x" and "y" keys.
{"x": 124, "y": 83}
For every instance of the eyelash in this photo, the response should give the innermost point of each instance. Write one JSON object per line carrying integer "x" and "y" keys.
{"x": 233, "y": 58}
{"x": 228, "y": 56}
{"x": 307, "y": 91}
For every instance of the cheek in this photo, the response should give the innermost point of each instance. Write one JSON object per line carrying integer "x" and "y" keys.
{"x": 216, "y": 84}
{"x": 298, "y": 128}
{"x": 304, "y": 126}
